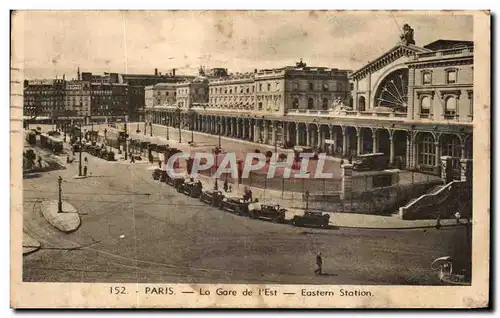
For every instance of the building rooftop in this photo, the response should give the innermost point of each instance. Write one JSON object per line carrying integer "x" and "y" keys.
{"x": 447, "y": 44}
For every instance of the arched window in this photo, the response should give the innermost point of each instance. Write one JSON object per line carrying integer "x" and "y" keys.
{"x": 361, "y": 104}
{"x": 310, "y": 103}
{"x": 426, "y": 150}
{"x": 325, "y": 103}
{"x": 450, "y": 107}
{"x": 425, "y": 107}
{"x": 295, "y": 103}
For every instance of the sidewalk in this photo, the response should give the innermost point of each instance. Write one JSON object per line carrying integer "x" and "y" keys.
{"x": 66, "y": 221}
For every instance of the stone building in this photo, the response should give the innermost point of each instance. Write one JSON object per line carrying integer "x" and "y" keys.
{"x": 412, "y": 103}
{"x": 44, "y": 99}
{"x": 77, "y": 98}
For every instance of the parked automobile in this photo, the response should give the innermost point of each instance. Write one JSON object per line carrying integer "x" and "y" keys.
{"x": 372, "y": 161}
{"x": 276, "y": 213}
{"x": 176, "y": 182}
{"x": 236, "y": 205}
{"x": 213, "y": 197}
{"x": 192, "y": 188}
{"x": 311, "y": 218}
{"x": 159, "y": 174}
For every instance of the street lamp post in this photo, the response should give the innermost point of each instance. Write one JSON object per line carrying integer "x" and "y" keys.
{"x": 125, "y": 145}
{"x": 59, "y": 202}
{"x": 150, "y": 129}
{"x": 80, "y": 155}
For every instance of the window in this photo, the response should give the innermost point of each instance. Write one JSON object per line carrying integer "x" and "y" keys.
{"x": 310, "y": 103}
{"x": 325, "y": 103}
{"x": 295, "y": 86}
{"x": 295, "y": 103}
{"x": 426, "y": 78}
{"x": 425, "y": 107}
{"x": 450, "y": 146}
{"x": 361, "y": 104}
{"x": 325, "y": 87}
{"x": 351, "y": 85}
{"x": 260, "y": 105}
{"x": 277, "y": 86}
{"x": 451, "y": 77}
{"x": 339, "y": 86}
{"x": 260, "y": 87}
{"x": 450, "y": 107}
{"x": 311, "y": 86}
{"x": 426, "y": 150}
{"x": 248, "y": 90}
{"x": 268, "y": 87}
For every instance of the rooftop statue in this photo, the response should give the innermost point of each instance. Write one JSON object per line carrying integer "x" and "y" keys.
{"x": 338, "y": 106}
{"x": 301, "y": 63}
{"x": 407, "y": 35}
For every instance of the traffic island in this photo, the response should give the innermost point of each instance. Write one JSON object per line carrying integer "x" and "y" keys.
{"x": 68, "y": 220}
{"x": 30, "y": 245}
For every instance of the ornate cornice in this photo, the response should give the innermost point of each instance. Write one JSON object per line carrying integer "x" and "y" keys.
{"x": 453, "y": 92}
{"x": 441, "y": 63}
{"x": 425, "y": 93}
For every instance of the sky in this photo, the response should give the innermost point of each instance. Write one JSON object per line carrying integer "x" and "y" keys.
{"x": 57, "y": 42}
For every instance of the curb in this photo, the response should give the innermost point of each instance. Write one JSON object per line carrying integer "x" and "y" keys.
{"x": 66, "y": 221}
{"x": 30, "y": 245}
{"x": 393, "y": 228}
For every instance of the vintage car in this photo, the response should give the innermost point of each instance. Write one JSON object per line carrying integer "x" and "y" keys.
{"x": 159, "y": 174}
{"x": 372, "y": 161}
{"x": 311, "y": 218}
{"x": 236, "y": 205}
{"x": 191, "y": 188}
{"x": 176, "y": 182}
{"x": 213, "y": 197}
{"x": 276, "y": 213}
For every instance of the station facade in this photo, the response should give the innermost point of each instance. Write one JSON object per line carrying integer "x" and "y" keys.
{"x": 414, "y": 104}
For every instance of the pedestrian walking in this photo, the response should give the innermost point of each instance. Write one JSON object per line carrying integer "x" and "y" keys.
{"x": 226, "y": 186}
{"x": 319, "y": 263}
{"x": 132, "y": 159}
{"x": 39, "y": 161}
{"x": 85, "y": 166}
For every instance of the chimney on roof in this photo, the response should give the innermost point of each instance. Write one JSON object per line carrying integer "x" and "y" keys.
{"x": 64, "y": 77}
{"x": 173, "y": 72}
{"x": 255, "y": 70}
{"x": 156, "y": 72}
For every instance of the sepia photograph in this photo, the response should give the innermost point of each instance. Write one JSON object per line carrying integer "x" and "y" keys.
{"x": 278, "y": 155}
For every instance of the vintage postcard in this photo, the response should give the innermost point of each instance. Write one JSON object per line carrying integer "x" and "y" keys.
{"x": 250, "y": 159}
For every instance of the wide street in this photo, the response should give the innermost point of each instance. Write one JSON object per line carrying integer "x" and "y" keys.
{"x": 135, "y": 229}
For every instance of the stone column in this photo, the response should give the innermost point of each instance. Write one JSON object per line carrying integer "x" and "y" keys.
{"x": 256, "y": 132}
{"x": 446, "y": 169}
{"x": 333, "y": 136}
{"x": 266, "y": 132}
{"x": 274, "y": 133}
{"x": 308, "y": 137}
{"x": 344, "y": 141}
{"x": 409, "y": 151}
{"x": 238, "y": 126}
{"x": 359, "y": 148}
{"x": 297, "y": 135}
{"x": 438, "y": 153}
{"x": 391, "y": 151}
{"x": 346, "y": 189}
{"x": 466, "y": 170}
{"x": 319, "y": 137}
{"x": 375, "y": 141}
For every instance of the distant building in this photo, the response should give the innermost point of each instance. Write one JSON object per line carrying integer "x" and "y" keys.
{"x": 77, "y": 99}
{"x": 44, "y": 98}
